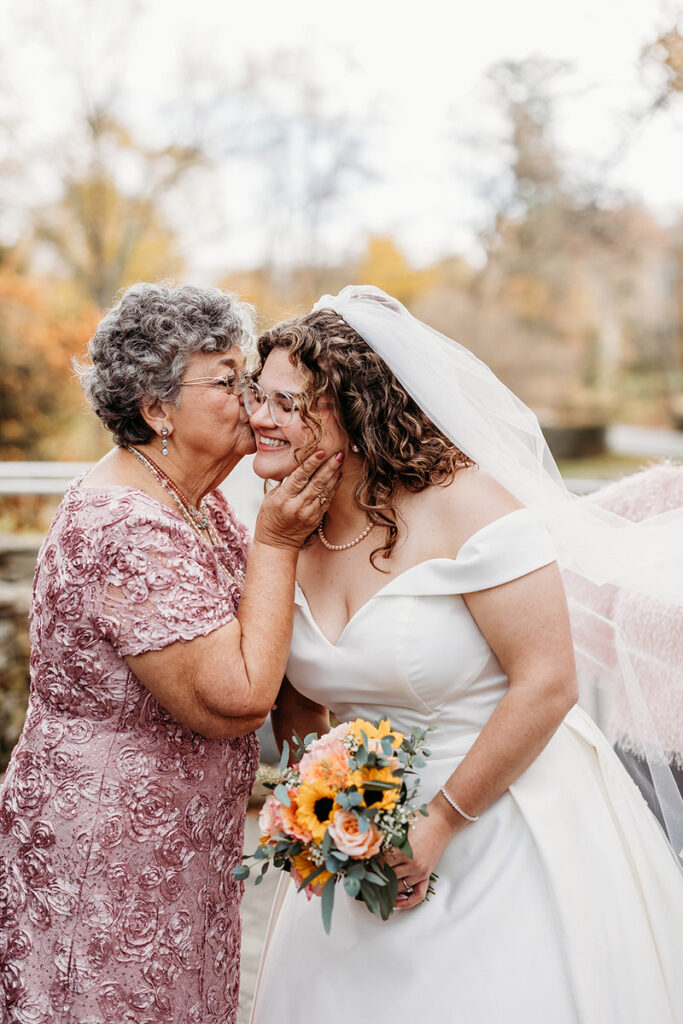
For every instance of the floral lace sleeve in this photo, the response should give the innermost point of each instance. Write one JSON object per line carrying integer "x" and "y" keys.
{"x": 158, "y": 583}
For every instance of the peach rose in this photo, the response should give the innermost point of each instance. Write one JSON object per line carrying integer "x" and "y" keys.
{"x": 326, "y": 762}
{"x": 274, "y": 818}
{"x": 292, "y": 826}
{"x": 348, "y": 838}
{"x": 270, "y": 819}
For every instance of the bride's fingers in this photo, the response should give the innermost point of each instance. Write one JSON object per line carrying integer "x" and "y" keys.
{"x": 407, "y": 898}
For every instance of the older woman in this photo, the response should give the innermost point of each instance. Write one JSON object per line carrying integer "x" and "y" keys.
{"x": 153, "y": 660}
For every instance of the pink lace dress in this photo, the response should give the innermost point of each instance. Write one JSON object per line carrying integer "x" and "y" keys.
{"x": 118, "y": 825}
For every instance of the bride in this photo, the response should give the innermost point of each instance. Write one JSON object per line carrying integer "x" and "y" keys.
{"x": 433, "y": 593}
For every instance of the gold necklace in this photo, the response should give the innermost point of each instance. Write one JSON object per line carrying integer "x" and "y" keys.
{"x": 198, "y": 518}
{"x": 342, "y": 547}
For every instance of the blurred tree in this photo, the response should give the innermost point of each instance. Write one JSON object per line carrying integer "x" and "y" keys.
{"x": 108, "y": 228}
{"x": 43, "y": 325}
{"x": 307, "y": 155}
{"x": 579, "y": 287}
{"x": 665, "y": 55}
{"x": 385, "y": 265}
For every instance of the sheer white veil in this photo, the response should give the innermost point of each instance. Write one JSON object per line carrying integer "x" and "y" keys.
{"x": 599, "y": 552}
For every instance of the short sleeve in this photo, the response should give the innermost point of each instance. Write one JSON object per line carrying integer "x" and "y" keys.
{"x": 504, "y": 550}
{"x": 158, "y": 583}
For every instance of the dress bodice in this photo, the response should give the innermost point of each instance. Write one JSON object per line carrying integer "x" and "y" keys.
{"x": 414, "y": 651}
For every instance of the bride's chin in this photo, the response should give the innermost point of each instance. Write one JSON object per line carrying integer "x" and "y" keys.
{"x": 265, "y": 472}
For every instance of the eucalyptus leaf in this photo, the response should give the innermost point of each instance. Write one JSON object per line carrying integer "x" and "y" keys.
{"x": 328, "y": 903}
{"x": 406, "y": 848}
{"x": 284, "y": 760}
{"x": 312, "y": 877}
{"x": 282, "y": 795}
{"x": 369, "y": 894}
{"x": 352, "y": 886}
{"x": 363, "y": 823}
{"x": 241, "y": 872}
{"x": 371, "y": 876}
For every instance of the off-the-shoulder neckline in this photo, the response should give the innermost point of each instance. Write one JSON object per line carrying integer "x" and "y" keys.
{"x": 406, "y": 572}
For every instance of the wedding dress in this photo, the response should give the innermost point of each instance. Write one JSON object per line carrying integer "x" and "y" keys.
{"x": 562, "y": 904}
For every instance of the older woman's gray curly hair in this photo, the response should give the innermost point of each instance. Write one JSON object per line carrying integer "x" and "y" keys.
{"x": 142, "y": 346}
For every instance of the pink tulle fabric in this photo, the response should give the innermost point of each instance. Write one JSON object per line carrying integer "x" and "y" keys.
{"x": 651, "y": 625}
{"x": 119, "y": 826}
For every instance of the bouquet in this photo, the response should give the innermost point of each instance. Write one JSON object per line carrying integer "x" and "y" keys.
{"x": 335, "y": 812}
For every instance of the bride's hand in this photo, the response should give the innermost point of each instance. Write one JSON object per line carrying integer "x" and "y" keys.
{"x": 428, "y": 838}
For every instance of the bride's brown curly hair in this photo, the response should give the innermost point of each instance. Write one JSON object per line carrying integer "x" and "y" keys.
{"x": 399, "y": 444}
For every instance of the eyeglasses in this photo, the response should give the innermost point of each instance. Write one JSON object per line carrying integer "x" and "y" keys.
{"x": 232, "y": 383}
{"x": 281, "y": 404}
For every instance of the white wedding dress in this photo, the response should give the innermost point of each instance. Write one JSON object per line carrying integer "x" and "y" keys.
{"x": 562, "y": 904}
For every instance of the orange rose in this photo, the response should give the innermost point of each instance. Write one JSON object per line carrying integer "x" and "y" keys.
{"x": 348, "y": 838}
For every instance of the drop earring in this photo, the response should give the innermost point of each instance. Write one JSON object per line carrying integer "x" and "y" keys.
{"x": 355, "y": 448}
{"x": 164, "y": 441}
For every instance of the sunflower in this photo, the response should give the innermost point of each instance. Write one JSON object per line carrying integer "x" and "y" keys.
{"x": 302, "y": 867}
{"x": 382, "y": 799}
{"x": 376, "y": 732}
{"x": 315, "y": 807}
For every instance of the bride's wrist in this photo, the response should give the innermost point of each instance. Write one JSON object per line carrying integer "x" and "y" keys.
{"x": 444, "y": 818}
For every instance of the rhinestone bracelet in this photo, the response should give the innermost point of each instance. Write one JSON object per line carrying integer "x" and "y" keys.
{"x": 455, "y": 806}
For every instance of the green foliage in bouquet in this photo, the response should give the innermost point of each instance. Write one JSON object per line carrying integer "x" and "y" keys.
{"x": 334, "y": 813}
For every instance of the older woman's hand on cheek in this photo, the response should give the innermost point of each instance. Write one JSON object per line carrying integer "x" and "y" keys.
{"x": 293, "y": 509}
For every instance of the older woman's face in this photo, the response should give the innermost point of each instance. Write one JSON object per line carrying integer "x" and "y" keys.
{"x": 277, "y": 447}
{"x": 210, "y": 421}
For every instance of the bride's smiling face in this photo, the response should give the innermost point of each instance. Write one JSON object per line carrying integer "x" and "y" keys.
{"x": 279, "y": 449}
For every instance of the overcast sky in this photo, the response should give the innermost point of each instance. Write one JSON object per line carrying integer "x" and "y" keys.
{"x": 417, "y": 78}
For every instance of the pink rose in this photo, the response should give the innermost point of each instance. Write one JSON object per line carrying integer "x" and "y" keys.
{"x": 348, "y": 838}
{"x": 270, "y": 818}
{"x": 327, "y": 761}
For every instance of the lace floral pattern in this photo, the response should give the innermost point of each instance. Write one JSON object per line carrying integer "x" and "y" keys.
{"x": 119, "y": 826}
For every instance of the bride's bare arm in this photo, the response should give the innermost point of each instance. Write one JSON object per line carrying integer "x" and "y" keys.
{"x": 295, "y": 713}
{"x": 526, "y": 624}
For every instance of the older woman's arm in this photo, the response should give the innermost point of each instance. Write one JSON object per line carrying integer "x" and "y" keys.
{"x": 294, "y": 713}
{"x": 224, "y": 684}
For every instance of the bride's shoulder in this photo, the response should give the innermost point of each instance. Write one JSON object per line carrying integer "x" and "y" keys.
{"x": 470, "y": 502}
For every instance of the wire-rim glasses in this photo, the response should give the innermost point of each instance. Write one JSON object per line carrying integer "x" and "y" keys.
{"x": 281, "y": 404}
{"x": 232, "y": 382}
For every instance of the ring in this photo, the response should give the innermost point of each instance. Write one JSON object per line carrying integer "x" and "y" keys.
{"x": 323, "y": 499}
{"x": 407, "y": 889}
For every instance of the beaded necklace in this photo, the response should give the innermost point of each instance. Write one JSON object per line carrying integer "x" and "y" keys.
{"x": 343, "y": 547}
{"x": 198, "y": 518}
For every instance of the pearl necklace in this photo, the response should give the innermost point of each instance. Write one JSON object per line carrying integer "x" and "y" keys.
{"x": 196, "y": 517}
{"x": 343, "y": 547}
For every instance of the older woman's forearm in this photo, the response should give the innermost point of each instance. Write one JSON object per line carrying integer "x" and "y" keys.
{"x": 265, "y": 617}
